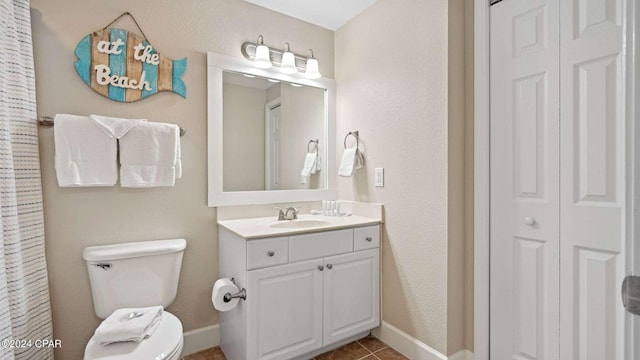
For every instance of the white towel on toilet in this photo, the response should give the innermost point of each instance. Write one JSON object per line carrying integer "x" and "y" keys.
{"x": 121, "y": 327}
{"x": 85, "y": 155}
{"x": 149, "y": 155}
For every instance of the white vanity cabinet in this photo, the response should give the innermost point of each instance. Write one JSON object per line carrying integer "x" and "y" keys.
{"x": 284, "y": 318}
{"x": 351, "y": 292}
{"x": 305, "y": 292}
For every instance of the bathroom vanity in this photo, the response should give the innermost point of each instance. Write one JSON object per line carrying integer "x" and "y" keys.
{"x": 312, "y": 284}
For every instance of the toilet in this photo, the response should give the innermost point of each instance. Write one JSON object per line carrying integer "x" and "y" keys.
{"x": 137, "y": 274}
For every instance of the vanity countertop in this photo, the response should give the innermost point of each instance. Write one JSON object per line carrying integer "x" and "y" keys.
{"x": 254, "y": 228}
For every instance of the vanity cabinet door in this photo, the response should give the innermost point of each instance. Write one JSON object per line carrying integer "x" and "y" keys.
{"x": 351, "y": 294}
{"x": 284, "y": 310}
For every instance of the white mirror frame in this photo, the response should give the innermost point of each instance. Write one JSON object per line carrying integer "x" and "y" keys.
{"x": 216, "y": 64}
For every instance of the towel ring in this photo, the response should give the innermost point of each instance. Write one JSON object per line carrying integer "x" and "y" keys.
{"x": 312, "y": 141}
{"x": 355, "y": 134}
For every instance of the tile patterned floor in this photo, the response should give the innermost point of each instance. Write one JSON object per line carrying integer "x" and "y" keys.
{"x": 368, "y": 348}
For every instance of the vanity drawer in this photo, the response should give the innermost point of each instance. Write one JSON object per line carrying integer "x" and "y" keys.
{"x": 267, "y": 252}
{"x": 366, "y": 237}
{"x": 317, "y": 245}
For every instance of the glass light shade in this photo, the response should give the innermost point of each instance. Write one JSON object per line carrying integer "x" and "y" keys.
{"x": 262, "y": 60}
{"x": 288, "y": 63}
{"x": 312, "y": 71}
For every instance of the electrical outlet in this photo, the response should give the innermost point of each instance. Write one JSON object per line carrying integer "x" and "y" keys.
{"x": 379, "y": 177}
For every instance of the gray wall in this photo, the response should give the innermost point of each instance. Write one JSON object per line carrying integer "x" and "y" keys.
{"x": 400, "y": 70}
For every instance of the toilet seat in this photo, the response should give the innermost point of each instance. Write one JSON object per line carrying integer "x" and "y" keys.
{"x": 165, "y": 344}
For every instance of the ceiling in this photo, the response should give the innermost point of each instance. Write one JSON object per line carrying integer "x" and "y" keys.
{"x": 329, "y": 14}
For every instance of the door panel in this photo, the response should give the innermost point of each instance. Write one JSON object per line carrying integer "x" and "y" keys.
{"x": 561, "y": 60}
{"x": 351, "y": 294}
{"x": 272, "y": 143}
{"x": 592, "y": 173}
{"x": 524, "y": 180}
{"x": 287, "y": 321}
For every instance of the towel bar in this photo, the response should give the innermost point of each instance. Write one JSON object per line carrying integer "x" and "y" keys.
{"x": 355, "y": 134}
{"x": 47, "y": 121}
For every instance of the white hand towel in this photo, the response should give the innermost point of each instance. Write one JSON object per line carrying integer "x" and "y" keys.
{"x": 309, "y": 167}
{"x": 85, "y": 155}
{"x": 116, "y": 127}
{"x": 347, "y": 163}
{"x": 359, "y": 162}
{"x": 127, "y": 325}
{"x": 148, "y": 155}
{"x": 178, "y": 158}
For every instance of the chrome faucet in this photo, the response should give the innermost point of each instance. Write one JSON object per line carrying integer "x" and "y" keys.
{"x": 294, "y": 213}
{"x": 290, "y": 213}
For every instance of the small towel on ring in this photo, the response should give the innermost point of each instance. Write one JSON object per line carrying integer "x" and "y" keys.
{"x": 352, "y": 159}
{"x": 129, "y": 324}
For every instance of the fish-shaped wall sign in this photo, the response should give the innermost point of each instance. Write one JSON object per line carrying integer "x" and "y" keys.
{"x": 125, "y": 67}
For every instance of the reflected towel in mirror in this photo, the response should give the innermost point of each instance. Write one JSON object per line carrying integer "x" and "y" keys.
{"x": 311, "y": 166}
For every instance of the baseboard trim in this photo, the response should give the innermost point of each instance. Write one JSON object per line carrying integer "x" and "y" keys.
{"x": 209, "y": 336}
{"x": 462, "y": 355}
{"x": 201, "y": 339}
{"x": 413, "y": 348}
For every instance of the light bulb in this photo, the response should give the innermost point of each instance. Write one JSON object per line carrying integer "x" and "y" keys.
{"x": 288, "y": 65}
{"x": 263, "y": 58}
{"x": 312, "y": 69}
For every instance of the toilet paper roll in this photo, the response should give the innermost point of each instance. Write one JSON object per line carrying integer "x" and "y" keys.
{"x": 220, "y": 288}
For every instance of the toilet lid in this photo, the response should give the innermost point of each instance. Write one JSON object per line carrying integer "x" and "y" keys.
{"x": 163, "y": 344}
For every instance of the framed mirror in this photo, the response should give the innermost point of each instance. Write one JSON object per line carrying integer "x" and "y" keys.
{"x": 261, "y": 126}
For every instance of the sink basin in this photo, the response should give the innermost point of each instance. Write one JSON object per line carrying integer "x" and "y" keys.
{"x": 299, "y": 224}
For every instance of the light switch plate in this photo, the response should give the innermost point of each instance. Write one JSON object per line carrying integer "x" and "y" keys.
{"x": 379, "y": 181}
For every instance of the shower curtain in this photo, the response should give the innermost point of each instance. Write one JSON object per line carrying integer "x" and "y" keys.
{"x": 25, "y": 314}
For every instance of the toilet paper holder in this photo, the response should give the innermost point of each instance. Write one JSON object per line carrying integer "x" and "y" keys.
{"x": 242, "y": 294}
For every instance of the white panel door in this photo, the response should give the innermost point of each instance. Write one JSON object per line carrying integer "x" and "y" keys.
{"x": 351, "y": 294}
{"x": 272, "y": 145}
{"x": 592, "y": 173}
{"x": 524, "y": 180}
{"x": 284, "y": 310}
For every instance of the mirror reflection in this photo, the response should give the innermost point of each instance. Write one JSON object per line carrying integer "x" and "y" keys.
{"x": 270, "y": 130}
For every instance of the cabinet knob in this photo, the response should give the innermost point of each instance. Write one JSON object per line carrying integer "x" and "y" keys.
{"x": 320, "y": 267}
{"x": 270, "y": 253}
{"x": 369, "y": 238}
{"x": 529, "y": 220}
{"x": 329, "y": 266}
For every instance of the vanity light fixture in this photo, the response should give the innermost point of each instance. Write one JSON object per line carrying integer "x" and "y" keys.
{"x": 295, "y": 85}
{"x": 273, "y": 80}
{"x": 288, "y": 65}
{"x": 312, "y": 71}
{"x": 262, "y": 56}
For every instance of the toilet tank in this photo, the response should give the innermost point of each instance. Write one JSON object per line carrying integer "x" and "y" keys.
{"x": 136, "y": 274}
